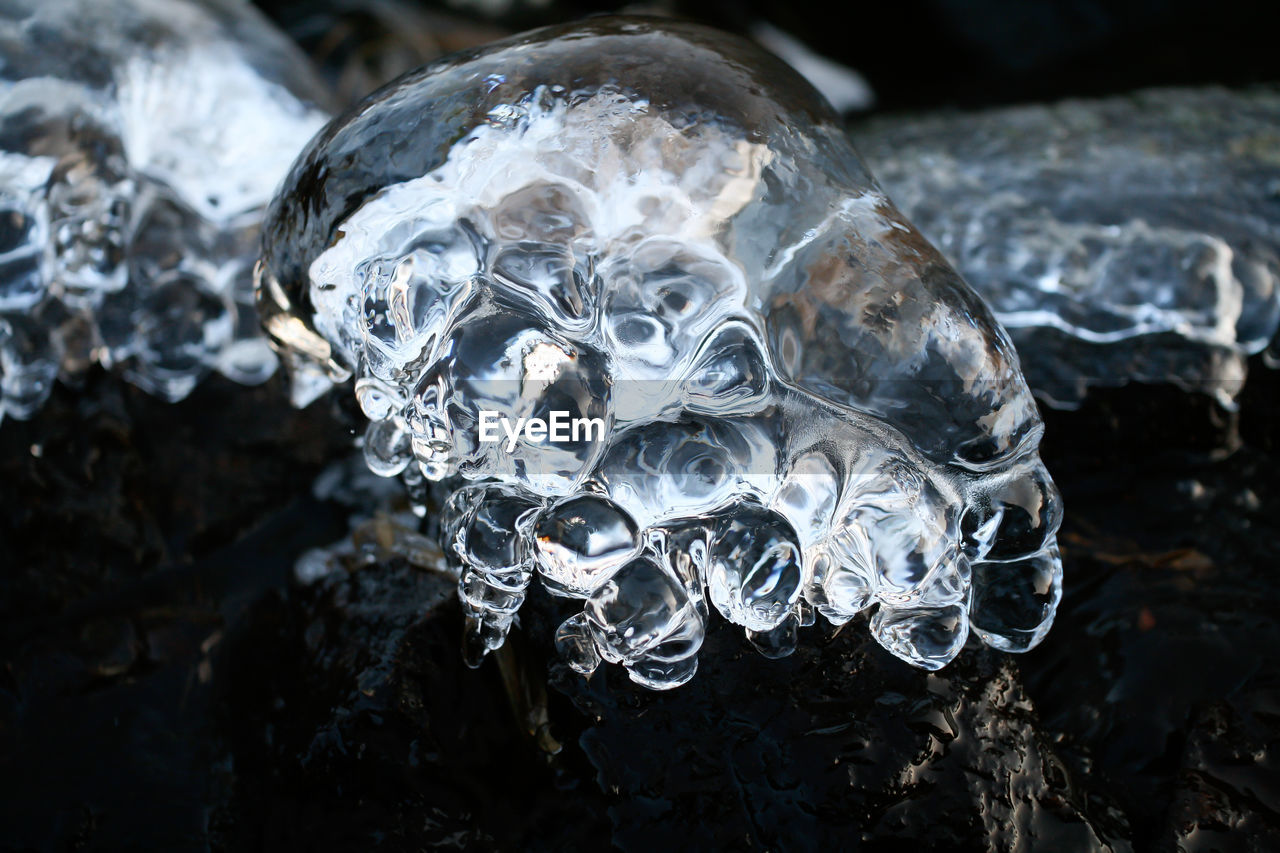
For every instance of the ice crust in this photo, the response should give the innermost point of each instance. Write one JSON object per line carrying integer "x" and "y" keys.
{"x": 140, "y": 141}
{"x": 1126, "y": 238}
{"x": 808, "y": 414}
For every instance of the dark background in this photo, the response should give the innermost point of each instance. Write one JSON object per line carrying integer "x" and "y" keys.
{"x": 915, "y": 53}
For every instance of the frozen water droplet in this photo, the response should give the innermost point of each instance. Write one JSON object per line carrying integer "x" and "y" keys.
{"x": 674, "y": 660}
{"x": 927, "y": 637}
{"x": 657, "y": 674}
{"x": 575, "y": 645}
{"x": 839, "y": 591}
{"x": 777, "y": 642}
{"x": 807, "y": 496}
{"x": 493, "y": 593}
{"x": 492, "y": 529}
{"x": 897, "y": 526}
{"x": 1014, "y": 602}
{"x": 753, "y": 567}
{"x": 179, "y": 328}
{"x": 90, "y": 199}
{"x": 580, "y": 541}
{"x": 1029, "y": 508}
{"x": 24, "y": 231}
{"x": 27, "y": 366}
{"x": 486, "y": 530}
{"x": 482, "y": 633}
{"x": 638, "y": 608}
{"x": 248, "y": 360}
{"x": 377, "y": 399}
{"x": 386, "y": 448}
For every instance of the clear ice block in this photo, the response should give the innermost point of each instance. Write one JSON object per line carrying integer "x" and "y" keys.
{"x": 139, "y": 143}
{"x": 803, "y": 408}
{"x": 1134, "y": 237}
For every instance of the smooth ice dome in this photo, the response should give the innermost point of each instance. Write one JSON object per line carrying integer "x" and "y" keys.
{"x": 662, "y": 228}
{"x": 140, "y": 141}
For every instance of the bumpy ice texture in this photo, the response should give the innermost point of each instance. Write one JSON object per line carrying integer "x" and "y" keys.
{"x": 807, "y": 412}
{"x": 1134, "y": 237}
{"x": 140, "y": 141}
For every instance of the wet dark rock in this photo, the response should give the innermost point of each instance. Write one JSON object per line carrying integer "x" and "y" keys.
{"x": 1146, "y": 720}
{"x": 352, "y": 718}
{"x": 133, "y": 534}
{"x": 186, "y": 693}
{"x": 1166, "y": 676}
{"x": 835, "y": 745}
{"x": 109, "y": 487}
{"x": 353, "y": 724}
{"x": 1226, "y": 785}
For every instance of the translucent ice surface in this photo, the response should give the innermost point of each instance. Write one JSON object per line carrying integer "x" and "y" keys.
{"x": 790, "y": 404}
{"x": 139, "y": 142}
{"x": 1133, "y": 237}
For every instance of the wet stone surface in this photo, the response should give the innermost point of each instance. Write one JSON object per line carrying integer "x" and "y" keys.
{"x": 1165, "y": 691}
{"x": 187, "y": 693}
{"x": 835, "y": 745}
{"x": 351, "y": 723}
{"x": 134, "y": 533}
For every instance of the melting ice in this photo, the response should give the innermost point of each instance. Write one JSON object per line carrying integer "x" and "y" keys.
{"x": 139, "y": 142}
{"x": 1126, "y": 238}
{"x": 810, "y": 415}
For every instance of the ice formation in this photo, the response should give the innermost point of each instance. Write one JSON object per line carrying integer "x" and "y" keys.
{"x": 140, "y": 141}
{"x": 663, "y": 229}
{"x": 1133, "y": 237}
